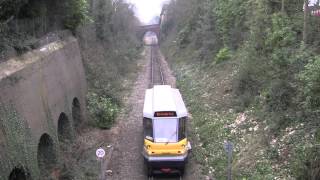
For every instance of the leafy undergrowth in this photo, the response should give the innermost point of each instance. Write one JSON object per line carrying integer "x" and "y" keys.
{"x": 259, "y": 152}
{"x": 252, "y": 78}
{"x": 102, "y": 110}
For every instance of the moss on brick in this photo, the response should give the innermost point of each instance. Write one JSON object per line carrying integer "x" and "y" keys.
{"x": 19, "y": 148}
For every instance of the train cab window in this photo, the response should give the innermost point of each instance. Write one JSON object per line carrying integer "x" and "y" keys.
{"x": 182, "y": 128}
{"x": 165, "y": 130}
{"x": 148, "y": 129}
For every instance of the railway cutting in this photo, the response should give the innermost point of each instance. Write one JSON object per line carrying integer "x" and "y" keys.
{"x": 127, "y": 162}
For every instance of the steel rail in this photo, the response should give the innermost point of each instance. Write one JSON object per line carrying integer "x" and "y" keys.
{"x": 154, "y": 61}
{"x": 161, "y": 74}
{"x": 151, "y": 57}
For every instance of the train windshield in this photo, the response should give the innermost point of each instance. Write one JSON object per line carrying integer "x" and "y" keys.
{"x": 165, "y": 130}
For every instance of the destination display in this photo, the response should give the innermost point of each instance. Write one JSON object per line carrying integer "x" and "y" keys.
{"x": 165, "y": 114}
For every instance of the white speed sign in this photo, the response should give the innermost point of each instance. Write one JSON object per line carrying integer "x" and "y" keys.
{"x": 100, "y": 153}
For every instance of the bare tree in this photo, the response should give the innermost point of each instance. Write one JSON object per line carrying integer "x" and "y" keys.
{"x": 282, "y": 6}
{"x": 305, "y": 21}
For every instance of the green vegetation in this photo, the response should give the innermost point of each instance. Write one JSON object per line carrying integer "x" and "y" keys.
{"x": 24, "y": 22}
{"x": 72, "y": 12}
{"x": 18, "y": 136}
{"x": 250, "y": 74}
{"x": 311, "y": 76}
{"x": 102, "y": 110}
{"x": 110, "y": 50}
{"x": 223, "y": 55}
{"x": 76, "y": 13}
{"x": 106, "y": 32}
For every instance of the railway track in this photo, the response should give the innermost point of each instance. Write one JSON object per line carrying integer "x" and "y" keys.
{"x": 157, "y": 78}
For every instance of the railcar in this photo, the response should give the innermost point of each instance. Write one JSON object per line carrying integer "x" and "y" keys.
{"x": 150, "y": 40}
{"x": 166, "y": 146}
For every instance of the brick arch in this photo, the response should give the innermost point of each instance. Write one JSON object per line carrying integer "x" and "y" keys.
{"x": 64, "y": 128}
{"x": 19, "y": 173}
{"x": 76, "y": 113}
{"x": 46, "y": 155}
{"x": 152, "y": 28}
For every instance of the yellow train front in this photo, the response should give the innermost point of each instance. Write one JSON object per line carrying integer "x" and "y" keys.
{"x": 166, "y": 145}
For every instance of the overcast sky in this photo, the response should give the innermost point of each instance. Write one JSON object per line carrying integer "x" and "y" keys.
{"x": 312, "y": 2}
{"x": 146, "y": 10}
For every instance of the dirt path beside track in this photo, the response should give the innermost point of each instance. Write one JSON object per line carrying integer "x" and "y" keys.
{"x": 126, "y": 161}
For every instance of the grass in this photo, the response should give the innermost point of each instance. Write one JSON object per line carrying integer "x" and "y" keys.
{"x": 208, "y": 121}
{"x": 258, "y": 152}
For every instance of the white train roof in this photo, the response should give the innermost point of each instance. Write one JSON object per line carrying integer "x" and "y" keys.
{"x": 163, "y": 98}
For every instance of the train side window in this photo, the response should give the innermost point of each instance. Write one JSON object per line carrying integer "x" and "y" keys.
{"x": 147, "y": 129}
{"x": 182, "y": 128}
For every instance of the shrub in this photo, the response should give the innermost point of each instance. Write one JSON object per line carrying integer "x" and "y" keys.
{"x": 184, "y": 37}
{"x": 102, "y": 110}
{"x": 280, "y": 41}
{"x": 224, "y": 54}
{"x": 279, "y": 96}
{"x": 311, "y": 80}
{"x": 76, "y": 13}
{"x": 280, "y": 34}
{"x": 250, "y": 78}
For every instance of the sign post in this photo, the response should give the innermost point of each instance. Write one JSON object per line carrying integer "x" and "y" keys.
{"x": 100, "y": 153}
{"x": 228, "y": 147}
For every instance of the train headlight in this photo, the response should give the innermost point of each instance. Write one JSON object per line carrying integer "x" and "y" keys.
{"x": 147, "y": 146}
{"x": 184, "y": 146}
